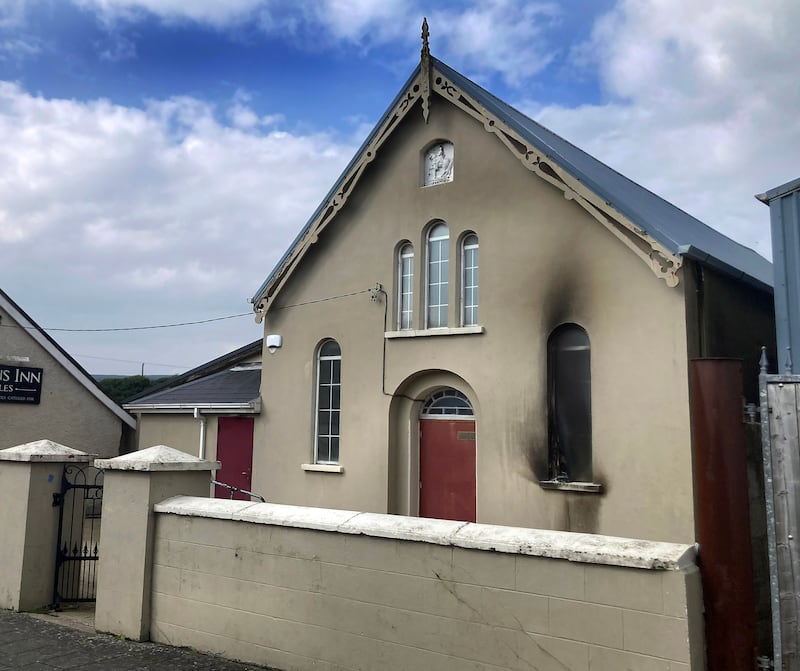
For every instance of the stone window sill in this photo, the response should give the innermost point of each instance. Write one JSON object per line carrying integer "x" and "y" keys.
{"x": 411, "y": 333}
{"x": 323, "y": 468}
{"x": 585, "y": 487}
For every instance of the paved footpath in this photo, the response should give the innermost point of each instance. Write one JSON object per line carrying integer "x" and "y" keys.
{"x": 32, "y": 643}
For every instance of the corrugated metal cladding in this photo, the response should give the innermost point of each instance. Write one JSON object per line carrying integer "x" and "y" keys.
{"x": 784, "y": 209}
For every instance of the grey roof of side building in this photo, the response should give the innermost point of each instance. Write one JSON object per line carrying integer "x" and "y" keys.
{"x": 238, "y": 385}
{"x": 203, "y": 370}
{"x": 679, "y": 232}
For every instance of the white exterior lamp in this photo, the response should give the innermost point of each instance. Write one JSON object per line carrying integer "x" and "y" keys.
{"x": 274, "y": 342}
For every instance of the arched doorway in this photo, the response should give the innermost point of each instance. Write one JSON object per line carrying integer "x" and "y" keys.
{"x": 447, "y": 457}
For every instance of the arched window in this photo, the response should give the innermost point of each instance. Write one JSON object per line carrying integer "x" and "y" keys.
{"x": 469, "y": 280}
{"x": 569, "y": 396}
{"x": 438, "y": 270}
{"x": 405, "y": 287}
{"x": 447, "y": 403}
{"x": 329, "y": 403}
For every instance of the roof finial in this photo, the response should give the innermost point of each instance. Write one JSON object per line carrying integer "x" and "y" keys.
{"x": 425, "y": 70}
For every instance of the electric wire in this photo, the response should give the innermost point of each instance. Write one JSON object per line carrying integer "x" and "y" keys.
{"x": 149, "y": 363}
{"x": 322, "y": 300}
{"x": 177, "y": 324}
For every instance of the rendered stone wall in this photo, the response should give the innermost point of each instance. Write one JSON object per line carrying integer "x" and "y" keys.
{"x": 67, "y": 413}
{"x": 302, "y": 588}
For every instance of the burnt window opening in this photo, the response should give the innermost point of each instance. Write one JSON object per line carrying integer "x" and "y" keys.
{"x": 569, "y": 404}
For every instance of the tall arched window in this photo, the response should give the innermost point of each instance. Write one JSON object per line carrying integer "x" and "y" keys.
{"x": 438, "y": 269}
{"x": 469, "y": 280}
{"x": 405, "y": 287}
{"x": 569, "y": 404}
{"x": 329, "y": 403}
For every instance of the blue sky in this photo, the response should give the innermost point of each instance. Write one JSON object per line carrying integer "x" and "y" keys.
{"x": 158, "y": 156}
{"x": 84, "y": 53}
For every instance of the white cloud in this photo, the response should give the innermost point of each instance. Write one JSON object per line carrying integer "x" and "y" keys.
{"x": 118, "y": 48}
{"x": 364, "y": 21}
{"x": 138, "y": 216}
{"x": 213, "y": 12}
{"x": 487, "y": 36}
{"x": 148, "y": 278}
{"x": 18, "y": 48}
{"x": 242, "y": 116}
{"x": 178, "y": 210}
{"x": 702, "y": 105}
{"x": 12, "y": 13}
{"x": 505, "y": 36}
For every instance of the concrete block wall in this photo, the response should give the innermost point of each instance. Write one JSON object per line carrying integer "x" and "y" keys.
{"x": 301, "y": 588}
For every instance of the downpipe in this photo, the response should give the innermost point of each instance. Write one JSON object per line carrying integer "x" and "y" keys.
{"x": 201, "y": 452}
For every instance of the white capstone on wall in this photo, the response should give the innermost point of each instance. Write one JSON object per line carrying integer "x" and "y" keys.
{"x": 574, "y": 547}
{"x": 157, "y": 458}
{"x": 43, "y": 450}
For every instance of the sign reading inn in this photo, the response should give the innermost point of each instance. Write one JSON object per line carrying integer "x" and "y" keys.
{"x": 20, "y": 384}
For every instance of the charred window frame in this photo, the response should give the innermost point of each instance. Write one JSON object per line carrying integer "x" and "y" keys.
{"x": 328, "y": 403}
{"x": 569, "y": 401}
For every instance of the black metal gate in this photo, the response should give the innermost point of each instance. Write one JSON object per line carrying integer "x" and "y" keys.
{"x": 80, "y": 503}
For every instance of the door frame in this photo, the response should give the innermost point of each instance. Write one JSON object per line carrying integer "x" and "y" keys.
{"x": 418, "y": 415}
{"x": 221, "y": 419}
{"x": 406, "y": 402}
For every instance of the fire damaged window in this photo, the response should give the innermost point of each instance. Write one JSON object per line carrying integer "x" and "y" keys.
{"x": 569, "y": 400}
{"x": 329, "y": 403}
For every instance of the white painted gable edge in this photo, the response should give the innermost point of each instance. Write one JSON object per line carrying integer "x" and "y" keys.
{"x": 658, "y": 258}
{"x": 54, "y": 350}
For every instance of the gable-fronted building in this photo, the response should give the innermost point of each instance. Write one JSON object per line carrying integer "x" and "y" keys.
{"x": 483, "y": 322}
{"x": 46, "y": 394}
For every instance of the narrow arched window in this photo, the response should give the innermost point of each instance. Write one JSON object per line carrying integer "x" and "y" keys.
{"x": 469, "y": 280}
{"x": 329, "y": 403}
{"x": 405, "y": 287}
{"x": 569, "y": 404}
{"x": 438, "y": 271}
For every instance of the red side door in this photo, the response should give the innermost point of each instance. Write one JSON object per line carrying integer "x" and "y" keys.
{"x": 447, "y": 469}
{"x": 235, "y": 451}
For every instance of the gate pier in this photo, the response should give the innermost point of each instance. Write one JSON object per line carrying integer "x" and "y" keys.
{"x": 30, "y": 485}
{"x": 135, "y": 482}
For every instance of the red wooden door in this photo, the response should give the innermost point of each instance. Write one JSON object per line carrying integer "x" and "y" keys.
{"x": 447, "y": 469}
{"x": 235, "y": 451}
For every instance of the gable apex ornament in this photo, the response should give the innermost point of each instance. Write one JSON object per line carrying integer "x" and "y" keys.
{"x": 425, "y": 70}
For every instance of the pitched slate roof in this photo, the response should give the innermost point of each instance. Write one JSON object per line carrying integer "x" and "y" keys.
{"x": 236, "y": 386}
{"x": 679, "y": 232}
{"x": 215, "y": 365}
{"x": 39, "y": 335}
